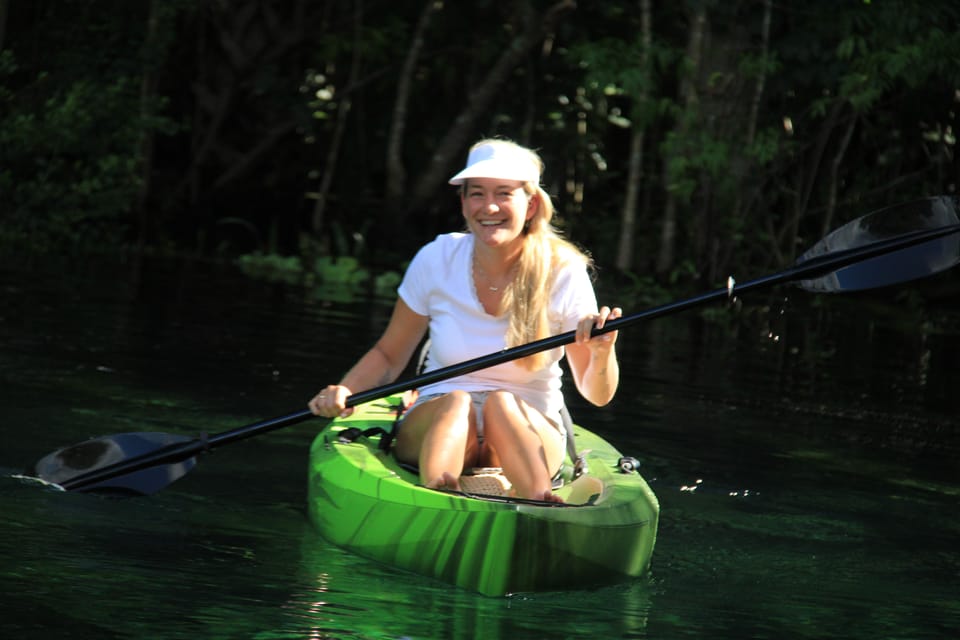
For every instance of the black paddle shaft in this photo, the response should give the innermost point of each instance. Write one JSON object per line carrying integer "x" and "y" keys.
{"x": 805, "y": 269}
{"x": 178, "y": 452}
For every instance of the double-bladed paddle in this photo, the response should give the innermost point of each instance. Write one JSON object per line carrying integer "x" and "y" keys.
{"x": 886, "y": 247}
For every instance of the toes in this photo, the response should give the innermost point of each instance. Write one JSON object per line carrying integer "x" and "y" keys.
{"x": 550, "y": 496}
{"x": 446, "y": 481}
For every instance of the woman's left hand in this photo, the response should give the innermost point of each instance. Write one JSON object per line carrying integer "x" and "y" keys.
{"x": 587, "y": 323}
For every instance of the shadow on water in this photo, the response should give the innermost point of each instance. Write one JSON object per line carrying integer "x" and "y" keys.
{"x": 803, "y": 452}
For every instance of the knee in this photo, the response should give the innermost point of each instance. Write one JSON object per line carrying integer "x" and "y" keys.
{"x": 498, "y": 405}
{"x": 456, "y": 405}
{"x": 456, "y": 400}
{"x": 500, "y": 399}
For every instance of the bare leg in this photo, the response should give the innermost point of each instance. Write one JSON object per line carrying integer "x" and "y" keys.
{"x": 440, "y": 435}
{"x": 528, "y": 446}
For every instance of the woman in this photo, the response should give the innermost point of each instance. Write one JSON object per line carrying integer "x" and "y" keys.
{"x": 509, "y": 280}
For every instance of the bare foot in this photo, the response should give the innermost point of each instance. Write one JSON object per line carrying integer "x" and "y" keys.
{"x": 549, "y": 496}
{"x": 446, "y": 481}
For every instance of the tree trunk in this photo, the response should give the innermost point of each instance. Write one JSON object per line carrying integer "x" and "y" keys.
{"x": 459, "y": 133}
{"x": 231, "y": 43}
{"x": 762, "y": 80}
{"x": 690, "y": 98}
{"x": 343, "y": 110}
{"x": 789, "y": 236}
{"x": 4, "y": 10}
{"x": 628, "y": 216}
{"x": 834, "y": 176}
{"x": 628, "y": 219}
{"x": 742, "y": 204}
{"x": 396, "y": 173}
{"x": 148, "y": 97}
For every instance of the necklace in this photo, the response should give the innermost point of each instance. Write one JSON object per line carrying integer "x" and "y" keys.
{"x": 483, "y": 274}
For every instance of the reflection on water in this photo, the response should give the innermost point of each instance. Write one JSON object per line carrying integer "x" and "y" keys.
{"x": 423, "y": 608}
{"x": 804, "y": 461}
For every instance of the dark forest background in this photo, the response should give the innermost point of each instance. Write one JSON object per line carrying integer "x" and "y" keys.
{"x": 683, "y": 140}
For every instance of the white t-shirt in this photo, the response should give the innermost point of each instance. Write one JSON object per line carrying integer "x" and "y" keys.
{"x": 439, "y": 284}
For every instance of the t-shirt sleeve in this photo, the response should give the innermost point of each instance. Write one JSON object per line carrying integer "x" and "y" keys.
{"x": 416, "y": 285}
{"x": 576, "y": 297}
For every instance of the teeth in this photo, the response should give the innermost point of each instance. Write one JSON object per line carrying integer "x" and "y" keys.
{"x": 489, "y": 223}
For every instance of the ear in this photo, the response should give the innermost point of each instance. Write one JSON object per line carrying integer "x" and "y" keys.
{"x": 533, "y": 205}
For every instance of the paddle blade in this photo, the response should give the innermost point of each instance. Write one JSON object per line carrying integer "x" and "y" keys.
{"x": 70, "y": 463}
{"x": 900, "y": 265}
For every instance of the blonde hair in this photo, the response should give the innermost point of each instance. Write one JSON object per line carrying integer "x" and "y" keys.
{"x": 545, "y": 253}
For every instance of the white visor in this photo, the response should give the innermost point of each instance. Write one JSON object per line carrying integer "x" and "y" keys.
{"x": 501, "y": 160}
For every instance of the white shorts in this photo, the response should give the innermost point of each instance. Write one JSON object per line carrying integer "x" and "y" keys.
{"x": 478, "y": 398}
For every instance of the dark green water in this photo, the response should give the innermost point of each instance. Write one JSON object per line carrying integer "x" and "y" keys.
{"x": 805, "y": 462}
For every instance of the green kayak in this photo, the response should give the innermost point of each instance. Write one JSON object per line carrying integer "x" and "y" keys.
{"x": 359, "y": 498}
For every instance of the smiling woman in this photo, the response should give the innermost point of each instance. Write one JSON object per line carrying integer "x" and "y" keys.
{"x": 509, "y": 280}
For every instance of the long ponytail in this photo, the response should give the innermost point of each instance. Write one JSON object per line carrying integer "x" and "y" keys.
{"x": 545, "y": 252}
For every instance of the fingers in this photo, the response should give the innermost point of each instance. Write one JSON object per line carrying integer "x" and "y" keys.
{"x": 330, "y": 402}
{"x": 586, "y": 325}
{"x": 606, "y": 313}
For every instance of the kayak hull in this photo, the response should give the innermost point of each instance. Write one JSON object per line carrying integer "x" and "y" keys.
{"x": 361, "y": 500}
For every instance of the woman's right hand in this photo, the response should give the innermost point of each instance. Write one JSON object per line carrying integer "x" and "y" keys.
{"x": 331, "y": 402}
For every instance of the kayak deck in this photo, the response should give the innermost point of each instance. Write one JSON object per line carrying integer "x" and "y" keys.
{"x": 359, "y": 498}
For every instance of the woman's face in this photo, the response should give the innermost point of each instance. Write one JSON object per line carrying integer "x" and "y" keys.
{"x": 496, "y": 210}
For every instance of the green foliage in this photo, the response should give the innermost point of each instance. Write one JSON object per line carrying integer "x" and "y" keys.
{"x": 611, "y": 64}
{"x": 51, "y": 175}
{"x": 889, "y": 50}
{"x": 343, "y": 271}
{"x": 685, "y": 271}
{"x": 766, "y": 146}
{"x": 756, "y": 66}
{"x": 272, "y": 267}
{"x": 638, "y": 291}
{"x": 257, "y": 87}
{"x": 8, "y": 66}
{"x": 385, "y": 284}
{"x": 69, "y": 163}
{"x": 332, "y": 278}
{"x": 693, "y": 155}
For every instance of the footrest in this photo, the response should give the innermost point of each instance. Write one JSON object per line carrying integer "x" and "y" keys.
{"x": 485, "y": 482}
